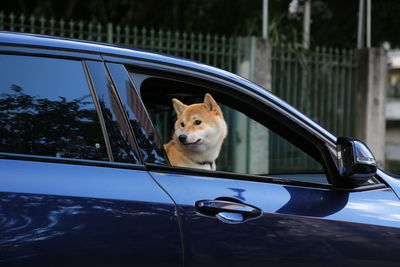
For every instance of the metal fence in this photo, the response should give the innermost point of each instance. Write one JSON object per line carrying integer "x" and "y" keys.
{"x": 321, "y": 83}
{"x": 220, "y": 51}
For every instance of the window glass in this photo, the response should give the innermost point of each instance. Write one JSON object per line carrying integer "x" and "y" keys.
{"x": 46, "y": 109}
{"x": 150, "y": 148}
{"x": 122, "y": 144}
{"x": 251, "y": 146}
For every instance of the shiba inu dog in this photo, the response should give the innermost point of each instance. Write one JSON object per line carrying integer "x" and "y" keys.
{"x": 200, "y": 130}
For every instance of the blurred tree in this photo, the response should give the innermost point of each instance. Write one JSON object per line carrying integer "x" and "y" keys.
{"x": 334, "y": 23}
{"x": 40, "y": 126}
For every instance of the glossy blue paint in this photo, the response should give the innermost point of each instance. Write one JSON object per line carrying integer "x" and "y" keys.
{"x": 392, "y": 181}
{"x": 299, "y": 224}
{"x": 65, "y": 214}
{"x": 44, "y": 230}
{"x": 79, "y": 181}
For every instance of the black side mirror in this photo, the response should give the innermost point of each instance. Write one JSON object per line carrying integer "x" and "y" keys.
{"x": 355, "y": 160}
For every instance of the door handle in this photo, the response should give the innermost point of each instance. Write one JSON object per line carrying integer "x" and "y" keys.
{"x": 227, "y": 211}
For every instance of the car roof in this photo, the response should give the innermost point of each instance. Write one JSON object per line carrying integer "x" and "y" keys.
{"x": 45, "y": 41}
{"x": 62, "y": 43}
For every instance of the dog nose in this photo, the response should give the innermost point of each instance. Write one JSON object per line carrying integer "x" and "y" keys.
{"x": 182, "y": 138}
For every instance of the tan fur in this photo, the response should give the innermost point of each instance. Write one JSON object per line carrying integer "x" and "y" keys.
{"x": 204, "y": 141}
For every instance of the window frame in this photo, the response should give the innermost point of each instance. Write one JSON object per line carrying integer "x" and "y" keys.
{"x": 142, "y": 116}
{"x": 115, "y": 93}
{"x": 206, "y": 84}
{"x": 81, "y": 57}
{"x": 257, "y": 114}
{"x": 327, "y": 148}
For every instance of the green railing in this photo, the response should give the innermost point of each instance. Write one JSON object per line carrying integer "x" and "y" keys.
{"x": 321, "y": 83}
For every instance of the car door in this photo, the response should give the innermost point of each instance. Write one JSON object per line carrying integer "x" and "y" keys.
{"x": 299, "y": 225}
{"x": 73, "y": 188}
{"x": 291, "y": 215}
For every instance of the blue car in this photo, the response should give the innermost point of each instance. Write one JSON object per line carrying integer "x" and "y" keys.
{"x": 85, "y": 180}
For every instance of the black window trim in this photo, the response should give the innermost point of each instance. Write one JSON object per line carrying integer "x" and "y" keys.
{"x": 256, "y": 178}
{"x": 99, "y": 111}
{"x": 126, "y": 119}
{"x": 41, "y": 51}
{"x": 143, "y": 107}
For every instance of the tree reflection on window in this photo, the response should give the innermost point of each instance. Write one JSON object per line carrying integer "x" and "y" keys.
{"x": 58, "y": 128}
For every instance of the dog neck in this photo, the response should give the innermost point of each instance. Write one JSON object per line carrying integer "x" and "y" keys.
{"x": 208, "y": 155}
{"x": 211, "y": 163}
{"x": 204, "y": 164}
{"x": 202, "y": 158}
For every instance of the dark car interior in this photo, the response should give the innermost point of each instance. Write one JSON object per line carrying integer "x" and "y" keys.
{"x": 157, "y": 94}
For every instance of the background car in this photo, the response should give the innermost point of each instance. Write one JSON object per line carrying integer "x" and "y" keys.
{"x": 85, "y": 179}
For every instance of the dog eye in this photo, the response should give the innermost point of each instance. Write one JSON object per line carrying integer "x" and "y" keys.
{"x": 182, "y": 124}
{"x": 197, "y": 122}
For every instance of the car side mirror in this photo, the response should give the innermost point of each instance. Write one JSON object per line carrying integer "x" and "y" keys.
{"x": 355, "y": 160}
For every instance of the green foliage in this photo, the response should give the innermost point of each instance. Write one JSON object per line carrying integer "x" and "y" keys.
{"x": 280, "y": 37}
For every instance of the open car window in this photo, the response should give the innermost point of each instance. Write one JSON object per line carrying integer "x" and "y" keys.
{"x": 256, "y": 143}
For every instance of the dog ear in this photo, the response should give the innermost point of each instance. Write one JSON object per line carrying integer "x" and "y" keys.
{"x": 178, "y": 106}
{"x": 211, "y": 104}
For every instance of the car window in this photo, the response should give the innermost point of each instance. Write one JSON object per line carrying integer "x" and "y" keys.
{"x": 149, "y": 144}
{"x": 121, "y": 140}
{"x": 46, "y": 109}
{"x": 254, "y": 145}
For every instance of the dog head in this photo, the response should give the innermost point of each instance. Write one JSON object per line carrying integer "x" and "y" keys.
{"x": 199, "y": 127}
